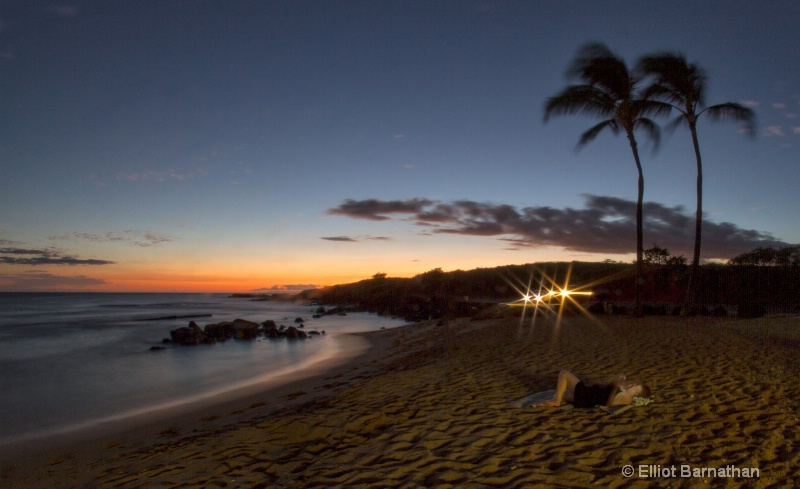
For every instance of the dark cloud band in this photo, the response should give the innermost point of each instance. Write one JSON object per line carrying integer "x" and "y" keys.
{"x": 20, "y": 256}
{"x": 604, "y": 225}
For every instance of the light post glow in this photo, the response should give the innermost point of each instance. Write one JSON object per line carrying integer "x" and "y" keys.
{"x": 549, "y": 300}
{"x": 531, "y": 298}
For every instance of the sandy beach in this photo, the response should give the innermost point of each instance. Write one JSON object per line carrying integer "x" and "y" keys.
{"x": 429, "y": 405}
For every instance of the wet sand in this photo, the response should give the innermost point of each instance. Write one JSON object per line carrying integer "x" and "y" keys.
{"x": 428, "y": 405}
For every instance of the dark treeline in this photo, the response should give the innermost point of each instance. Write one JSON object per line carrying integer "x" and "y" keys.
{"x": 433, "y": 294}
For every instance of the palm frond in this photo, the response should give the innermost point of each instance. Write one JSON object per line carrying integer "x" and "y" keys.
{"x": 609, "y": 92}
{"x": 652, "y": 130}
{"x": 676, "y": 80}
{"x": 653, "y": 107}
{"x": 579, "y": 99}
{"x": 598, "y": 66}
{"x": 586, "y": 57}
{"x": 734, "y": 111}
{"x": 592, "y": 133}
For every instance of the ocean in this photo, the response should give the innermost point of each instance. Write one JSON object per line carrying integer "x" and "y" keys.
{"x": 69, "y": 360}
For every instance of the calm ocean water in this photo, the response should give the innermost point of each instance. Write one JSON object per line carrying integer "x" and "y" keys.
{"x": 71, "y": 359}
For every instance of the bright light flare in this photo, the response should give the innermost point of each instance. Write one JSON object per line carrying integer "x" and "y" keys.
{"x": 531, "y": 298}
{"x": 567, "y": 293}
{"x": 549, "y": 300}
{"x": 544, "y": 297}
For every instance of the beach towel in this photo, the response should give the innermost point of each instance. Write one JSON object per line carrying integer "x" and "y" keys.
{"x": 533, "y": 399}
{"x": 538, "y": 397}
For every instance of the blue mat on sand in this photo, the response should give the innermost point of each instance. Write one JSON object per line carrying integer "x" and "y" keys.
{"x": 538, "y": 397}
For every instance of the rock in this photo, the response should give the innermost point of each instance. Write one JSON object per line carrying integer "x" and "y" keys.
{"x": 176, "y": 335}
{"x": 299, "y": 320}
{"x": 157, "y": 348}
{"x": 270, "y": 329}
{"x": 220, "y": 331}
{"x": 245, "y": 330}
{"x": 293, "y": 333}
{"x": 650, "y": 310}
{"x": 619, "y": 310}
{"x": 597, "y": 308}
{"x": 187, "y": 336}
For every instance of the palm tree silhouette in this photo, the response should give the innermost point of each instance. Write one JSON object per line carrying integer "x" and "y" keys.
{"x": 611, "y": 92}
{"x": 682, "y": 85}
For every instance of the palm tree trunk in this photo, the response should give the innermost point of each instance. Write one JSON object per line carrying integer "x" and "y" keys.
{"x": 639, "y": 229}
{"x": 694, "y": 272}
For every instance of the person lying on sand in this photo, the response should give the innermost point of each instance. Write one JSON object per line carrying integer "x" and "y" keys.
{"x": 617, "y": 392}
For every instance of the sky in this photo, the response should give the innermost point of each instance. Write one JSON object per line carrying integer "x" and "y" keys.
{"x": 261, "y": 146}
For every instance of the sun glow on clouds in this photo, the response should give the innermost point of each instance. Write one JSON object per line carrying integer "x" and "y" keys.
{"x": 40, "y": 280}
{"x": 197, "y": 267}
{"x": 248, "y": 273}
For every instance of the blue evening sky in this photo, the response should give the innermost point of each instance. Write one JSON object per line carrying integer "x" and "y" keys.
{"x": 240, "y": 145}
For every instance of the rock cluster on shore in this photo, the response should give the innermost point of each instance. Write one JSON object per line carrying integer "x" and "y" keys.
{"x": 240, "y": 329}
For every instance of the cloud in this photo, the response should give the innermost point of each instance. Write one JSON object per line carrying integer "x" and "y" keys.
{"x": 774, "y": 131}
{"x": 374, "y": 209}
{"x": 21, "y": 256}
{"x": 277, "y": 289}
{"x": 606, "y": 225}
{"x": 143, "y": 239}
{"x": 349, "y": 239}
{"x": 796, "y": 130}
{"x": 9, "y": 242}
{"x": 779, "y": 105}
{"x": 36, "y": 280}
{"x": 63, "y": 10}
{"x": 751, "y": 103}
{"x": 339, "y": 238}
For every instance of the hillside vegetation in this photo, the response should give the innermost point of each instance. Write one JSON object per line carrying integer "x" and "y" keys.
{"x": 437, "y": 293}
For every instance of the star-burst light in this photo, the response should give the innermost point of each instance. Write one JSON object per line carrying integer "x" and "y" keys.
{"x": 548, "y": 298}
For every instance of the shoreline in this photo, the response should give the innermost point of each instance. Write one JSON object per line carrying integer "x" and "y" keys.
{"x": 87, "y": 375}
{"x": 429, "y": 404}
{"x": 336, "y": 354}
{"x": 211, "y": 412}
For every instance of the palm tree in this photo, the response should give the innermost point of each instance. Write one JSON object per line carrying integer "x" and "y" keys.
{"x": 682, "y": 85}
{"x": 612, "y": 93}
